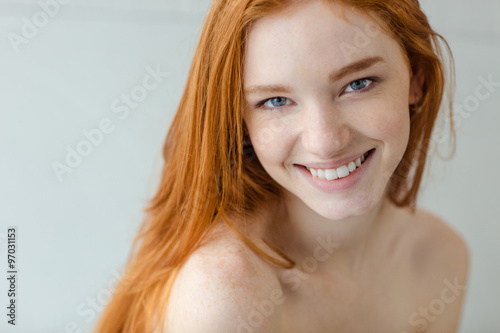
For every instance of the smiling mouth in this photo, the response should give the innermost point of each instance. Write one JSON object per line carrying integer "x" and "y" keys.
{"x": 340, "y": 172}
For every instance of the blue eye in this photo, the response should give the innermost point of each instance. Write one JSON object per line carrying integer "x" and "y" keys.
{"x": 359, "y": 85}
{"x": 276, "y": 102}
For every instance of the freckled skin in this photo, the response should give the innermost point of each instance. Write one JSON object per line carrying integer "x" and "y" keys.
{"x": 322, "y": 125}
{"x": 390, "y": 262}
{"x": 218, "y": 288}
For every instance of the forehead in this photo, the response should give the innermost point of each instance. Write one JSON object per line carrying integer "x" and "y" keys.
{"x": 315, "y": 36}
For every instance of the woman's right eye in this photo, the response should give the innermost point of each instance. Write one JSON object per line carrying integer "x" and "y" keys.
{"x": 276, "y": 102}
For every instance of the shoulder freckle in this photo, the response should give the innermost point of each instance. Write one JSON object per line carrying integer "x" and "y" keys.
{"x": 219, "y": 283}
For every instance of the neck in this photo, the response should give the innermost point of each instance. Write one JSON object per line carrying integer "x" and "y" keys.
{"x": 335, "y": 245}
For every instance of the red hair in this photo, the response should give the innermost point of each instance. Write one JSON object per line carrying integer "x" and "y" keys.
{"x": 210, "y": 174}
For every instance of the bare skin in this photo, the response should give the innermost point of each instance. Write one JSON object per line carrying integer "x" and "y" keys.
{"x": 363, "y": 265}
{"x": 225, "y": 287}
{"x": 401, "y": 270}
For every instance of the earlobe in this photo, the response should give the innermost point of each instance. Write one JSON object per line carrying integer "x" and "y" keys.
{"x": 416, "y": 87}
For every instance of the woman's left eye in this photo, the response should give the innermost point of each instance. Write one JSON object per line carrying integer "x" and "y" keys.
{"x": 359, "y": 85}
{"x": 276, "y": 102}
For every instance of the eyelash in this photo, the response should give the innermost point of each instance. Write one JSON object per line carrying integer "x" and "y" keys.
{"x": 373, "y": 80}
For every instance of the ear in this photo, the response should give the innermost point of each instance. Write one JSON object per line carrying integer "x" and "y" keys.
{"x": 416, "y": 87}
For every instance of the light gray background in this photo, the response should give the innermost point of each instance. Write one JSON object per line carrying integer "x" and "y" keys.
{"x": 74, "y": 235}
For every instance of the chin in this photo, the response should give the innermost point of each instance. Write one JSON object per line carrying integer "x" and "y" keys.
{"x": 342, "y": 209}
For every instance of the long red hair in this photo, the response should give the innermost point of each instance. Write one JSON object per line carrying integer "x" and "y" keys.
{"x": 211, "y": 174}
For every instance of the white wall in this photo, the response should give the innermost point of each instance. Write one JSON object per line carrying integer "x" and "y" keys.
{"x": 74, "y": 235}
{"x": 465, "y": 190}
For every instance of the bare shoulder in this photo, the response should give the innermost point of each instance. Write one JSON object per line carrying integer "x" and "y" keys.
{"x": 436, "y": 240}
{"x": 219, "y": 288}
{"x": 440, "y": 258}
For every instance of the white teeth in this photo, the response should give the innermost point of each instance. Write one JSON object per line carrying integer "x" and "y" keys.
{"x": 343, "y": 171}
{"x": 314, "y": 172}
{"x": 331, "y": 174}
{"x": 340, "y": 172}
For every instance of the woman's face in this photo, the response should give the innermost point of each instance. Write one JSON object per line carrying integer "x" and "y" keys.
{"x": 323, "y": 94}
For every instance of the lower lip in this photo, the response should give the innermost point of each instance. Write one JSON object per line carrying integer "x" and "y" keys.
{"x": 340, "y": 184}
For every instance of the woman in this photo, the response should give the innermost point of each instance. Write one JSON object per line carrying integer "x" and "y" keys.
{"x": 292, "y": 168}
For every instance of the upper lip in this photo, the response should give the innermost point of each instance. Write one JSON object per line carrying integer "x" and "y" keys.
{"x": 337, "y": 163}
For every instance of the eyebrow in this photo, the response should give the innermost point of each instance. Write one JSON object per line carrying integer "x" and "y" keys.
{"x": 355, "y": 67}
{"x": 271, "y": 89}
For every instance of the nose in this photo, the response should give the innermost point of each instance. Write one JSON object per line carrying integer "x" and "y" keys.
{"x": 325, "y": 131}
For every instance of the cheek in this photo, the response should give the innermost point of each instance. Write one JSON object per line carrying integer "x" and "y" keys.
{"x": 387, "y": 122}
{"x": 269, "y": 135}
